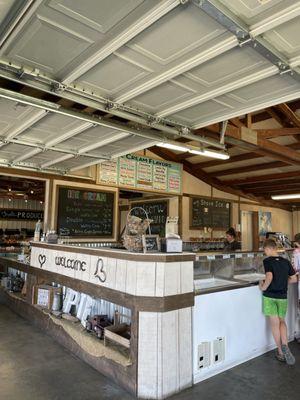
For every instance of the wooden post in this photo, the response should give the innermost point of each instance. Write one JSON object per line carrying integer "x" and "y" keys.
{"x": 255, "y": 232}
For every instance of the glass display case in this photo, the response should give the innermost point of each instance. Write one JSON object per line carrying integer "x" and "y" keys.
{"x": 215, "y": 272}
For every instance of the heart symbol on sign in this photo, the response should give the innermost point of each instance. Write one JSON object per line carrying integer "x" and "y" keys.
{"x": 42, "y": 259}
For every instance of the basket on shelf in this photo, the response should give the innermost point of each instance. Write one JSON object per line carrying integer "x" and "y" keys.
{"x": 135, "y": 228}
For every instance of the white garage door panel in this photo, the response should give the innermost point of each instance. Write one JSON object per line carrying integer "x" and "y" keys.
{"x": 181, "y": 34}
{"x": 64, "y": 32}
{"x": 73, "y": 162}
{"x": 121, "y": 146}
{"x": 101, "y": 18}
{"x": 265, "y": 89}
{"x": 208, "y": 109}
{"x": 43, "y": 157}
{"x": 49, "y": 128}
{"x": 89, "y": 137}
{"x": 5, "y": 7}
{"x": 174, "y": 35}
{"x": 163, "y": 96}
{"x": 47, "y": 45}
{"x": 271, "y": 90}
{"x": 159, "y": 58}
{"x": 112, "y": 75}
{"x": 253, "y": 11}
{"x": 11, "y": 151}
{"x": 204, "y": 81}
{"x": 286, "y": 38}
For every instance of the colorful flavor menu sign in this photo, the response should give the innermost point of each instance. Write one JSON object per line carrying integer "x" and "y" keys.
{"x": 139, "y": 172}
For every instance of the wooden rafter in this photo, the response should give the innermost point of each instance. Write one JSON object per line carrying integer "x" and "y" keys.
{"x": 216, "y": 183}
{"x": 289, "y": 114}
{"x": 262, "y": 185}
{"x": 262, "y": 178}
{"x": 271, "y": 133}
{"x": 237, "y": 158}
{"x": 275, "y": 115}
{"x": 250, "y": 168}
{"x": 248, "y": 139}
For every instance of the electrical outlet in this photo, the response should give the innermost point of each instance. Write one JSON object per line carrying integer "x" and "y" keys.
{"x": 218, "y": 350}
{"x": 204, "y": 355}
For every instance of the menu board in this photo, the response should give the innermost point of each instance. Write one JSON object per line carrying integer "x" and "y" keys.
{"x": 127, "y": 171}
{"x": 157, "y": 211}
{"x": 82, "y": 212}
{"x": 109, "y": 172}
{"x": 210, "y": 213}
{"x": 139, "y": 172}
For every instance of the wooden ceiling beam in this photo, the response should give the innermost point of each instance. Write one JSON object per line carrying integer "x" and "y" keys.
{"x": 261, "y": 178}
{"x": 216, "y": 183}
{"x": 248, "y": 139}
{"x": 237, "y": 122}
{"x": 289, "y": 114}
{"x": 271, "y": 133}
{"x": 276, "y": 188}
{"x": 237, "y": 158}
{"x": 274, "y": 114}
{"x": 250, "y": 168}
{"x": 262, "y": 185}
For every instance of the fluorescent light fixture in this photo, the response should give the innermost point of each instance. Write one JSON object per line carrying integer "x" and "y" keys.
{"x": 286, "y": 196}
{"x": 194, "y": 150}
{"x": 172, "y": 146}
{"x": 210, "y": 153}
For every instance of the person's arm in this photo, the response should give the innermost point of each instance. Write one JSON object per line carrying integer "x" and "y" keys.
{"x": 293, "y": 277}
{"x": 267, "y": 282}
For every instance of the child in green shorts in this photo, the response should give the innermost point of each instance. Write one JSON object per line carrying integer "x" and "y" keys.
{"x": 279, "y": 272}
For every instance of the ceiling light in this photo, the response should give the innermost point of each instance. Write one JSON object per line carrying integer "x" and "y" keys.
{"x": 194, "y": 150}
{"x": 210, "y": 153}
{"x": 31, "y": 191}
{"x": 286, "y": 196}
{"x": 9, "y": 199}
{"x": 25, "y": 200}
{"x": 9, "y": 189}
{"x": 172, "y": 146}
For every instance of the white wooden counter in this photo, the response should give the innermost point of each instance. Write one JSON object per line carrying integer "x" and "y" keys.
{"x": 164, "y": 349}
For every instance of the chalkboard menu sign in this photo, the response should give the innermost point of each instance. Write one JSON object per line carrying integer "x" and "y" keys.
{"x": 210, "y": 213}
{"x": 82, "y": 212}
{"x": 157, "y": 211}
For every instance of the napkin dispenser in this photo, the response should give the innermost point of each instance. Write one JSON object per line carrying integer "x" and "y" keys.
{"x": 171, "y": 245}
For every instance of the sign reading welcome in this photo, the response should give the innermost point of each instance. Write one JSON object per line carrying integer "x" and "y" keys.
{"x": 139, "y": 172}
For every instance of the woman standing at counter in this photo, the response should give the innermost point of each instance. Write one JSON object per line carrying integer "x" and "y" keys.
{"x": 231, "y": 243}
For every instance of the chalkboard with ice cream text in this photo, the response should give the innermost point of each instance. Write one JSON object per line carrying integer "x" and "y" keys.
{"x": 209, "y": 213}
{"x": 85, "y": 213}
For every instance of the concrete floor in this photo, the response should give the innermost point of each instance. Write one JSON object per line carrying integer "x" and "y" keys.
{"x": 35, "y": 367}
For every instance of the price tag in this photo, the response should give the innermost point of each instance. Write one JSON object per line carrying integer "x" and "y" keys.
{"x": 211, "y": 257}
{"x": 226, "y": 256}
{"x": 239, "y": 255}
{"x": 250, "y": 255}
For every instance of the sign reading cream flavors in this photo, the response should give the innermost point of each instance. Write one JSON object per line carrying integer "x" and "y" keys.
{"x": 141, "y": 172}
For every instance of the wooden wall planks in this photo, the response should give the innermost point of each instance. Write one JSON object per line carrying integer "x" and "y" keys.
{"x": 165, "y": 353}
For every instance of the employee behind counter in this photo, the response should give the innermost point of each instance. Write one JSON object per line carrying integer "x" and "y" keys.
{"x": 231, "y": 243}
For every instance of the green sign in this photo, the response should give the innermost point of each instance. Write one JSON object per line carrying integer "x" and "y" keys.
{"x": 139, "y": 172}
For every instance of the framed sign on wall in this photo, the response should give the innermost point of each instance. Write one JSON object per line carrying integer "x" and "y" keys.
{"x": 141, "y": 173}
{"x": 83, "y": 212}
